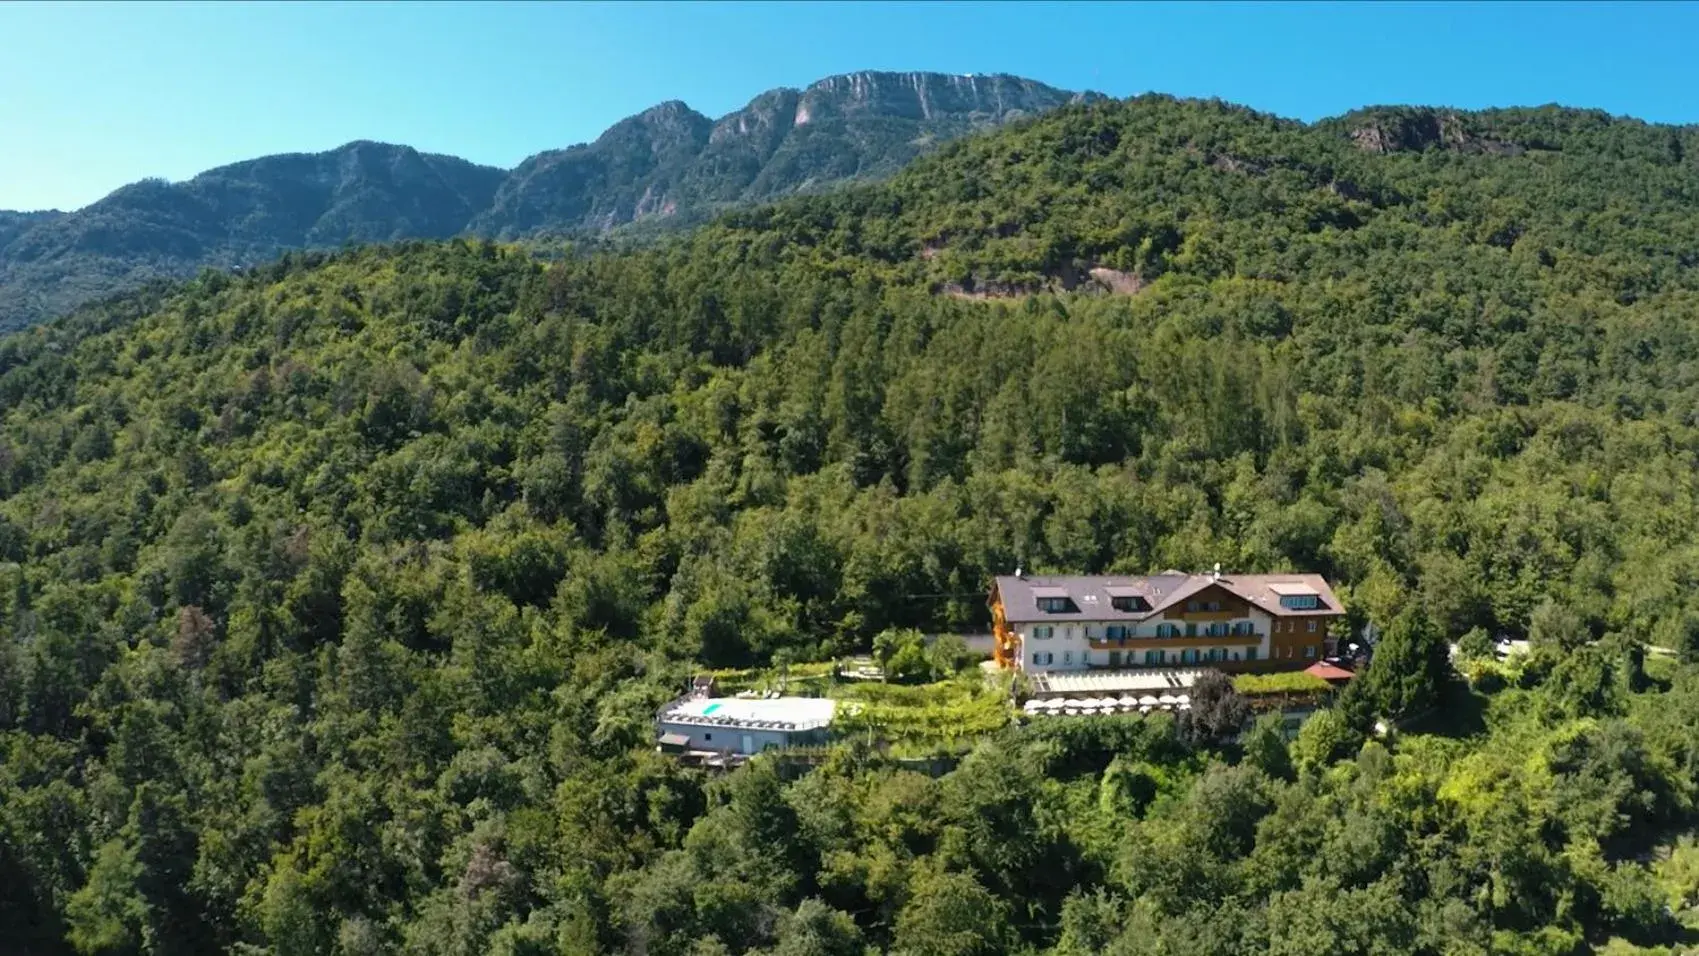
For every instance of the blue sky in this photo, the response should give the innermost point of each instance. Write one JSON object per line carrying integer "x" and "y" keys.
{"x": 93, "y": 96}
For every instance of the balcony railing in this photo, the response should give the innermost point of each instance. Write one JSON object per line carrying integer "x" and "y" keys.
{"x": 1149, "y": 642}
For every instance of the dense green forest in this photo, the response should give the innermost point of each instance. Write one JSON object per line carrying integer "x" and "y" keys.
{"x": 339, "y": 595}
{"x": 663, "y": 169}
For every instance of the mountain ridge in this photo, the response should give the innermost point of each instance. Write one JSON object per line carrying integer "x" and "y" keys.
{"x": 668, "y": 165}
{"x": 664, "y": 168}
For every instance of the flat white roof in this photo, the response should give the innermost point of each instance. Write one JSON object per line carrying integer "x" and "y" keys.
{"x": 1098, "y": 683}
{"x": 778, "y": 713}
{"x": 1284, "y": 588}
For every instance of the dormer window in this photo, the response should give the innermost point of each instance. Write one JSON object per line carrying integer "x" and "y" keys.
{"x": 1126, "y": 598}
{"x": 1053, "y": 600}
{"x": 1296, "y": 596}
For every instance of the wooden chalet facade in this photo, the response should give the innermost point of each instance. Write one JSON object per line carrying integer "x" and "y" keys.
{"x": 1248, "y": 622}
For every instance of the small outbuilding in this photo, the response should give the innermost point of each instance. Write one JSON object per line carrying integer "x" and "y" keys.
{"x": 1335, "y": 675}
{"x": 742, "y": 726}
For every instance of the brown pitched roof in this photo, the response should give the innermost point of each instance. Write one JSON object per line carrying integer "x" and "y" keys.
{"x": 1328, "y": 672}
{"x": 1093, "y": 595}
{"x": 1260, "y": 589}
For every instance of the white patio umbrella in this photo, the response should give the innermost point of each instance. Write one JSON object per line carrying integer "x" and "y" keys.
{"x": 1148, "y": 701}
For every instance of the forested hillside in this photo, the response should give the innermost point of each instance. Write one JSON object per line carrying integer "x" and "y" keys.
{"x": 339, "y": 594}
{"x": 233, "y": 216}
{"x": 663, "y": 169}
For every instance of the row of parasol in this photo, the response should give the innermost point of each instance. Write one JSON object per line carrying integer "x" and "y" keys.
{"x": 1126, "y": 704}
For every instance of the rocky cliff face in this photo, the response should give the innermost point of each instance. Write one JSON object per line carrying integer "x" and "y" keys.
{"x": 1403, "y": 129}
{"x": 674, "y": 162}
{"x": 668, "y": 165}
{"x": 599, "y": 185}
{"x": 929, "y": 97}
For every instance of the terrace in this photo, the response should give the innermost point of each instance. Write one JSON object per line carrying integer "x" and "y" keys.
{"x": 1098, "y": 683}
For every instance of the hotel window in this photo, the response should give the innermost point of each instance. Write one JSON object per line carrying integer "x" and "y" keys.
{"x": 1300, "y": 602}
{"x": 1312, "y": 627}
{"x": 1153, "y": 657}
{"x": 1250, "y": 653}
{"x": 1067, "y": 657}
{"x": 1054, "y": 605}
{"x": 1037, "y": 658}
{"x": 1309, "y": 650}
{"x": 1115, "y": 632}
{"x": 1043, "y": 632}
{"x": 1191, "y": 629}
